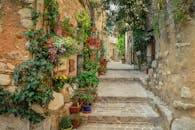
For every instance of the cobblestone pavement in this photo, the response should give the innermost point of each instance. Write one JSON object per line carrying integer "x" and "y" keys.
{"x": 122, "y": 103}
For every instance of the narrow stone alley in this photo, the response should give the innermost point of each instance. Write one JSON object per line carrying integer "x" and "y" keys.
{"x": 122, "y": 102}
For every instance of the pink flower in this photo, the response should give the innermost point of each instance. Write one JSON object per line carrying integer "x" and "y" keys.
{"x": 53, "y": 51}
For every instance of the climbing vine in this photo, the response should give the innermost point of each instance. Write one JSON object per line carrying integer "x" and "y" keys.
{"x": 32, "y": 81}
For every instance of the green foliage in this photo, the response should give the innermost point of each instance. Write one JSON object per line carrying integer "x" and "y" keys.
{"x": 68, "y": 26}
{"x": 181, "y": 9}
{"x": 35, "y": 16}
{"x": 155, "y": 24}
{"x": 65, "y": 123}
{"x": 130, "y": 14}
{"x": 10, "y": 104}
{"x": 51, "y": 13}
{"x": 121, "y": 45}
{"x": 89, "y": 64}
{"x": 102, "y": 69}
{"x": 87, "y": 79}
{"x": 86, "y": 98}
{"x": 84, "y": 23}
{"x": 95, "y": 4}
{"x": 58, "y": 84}
{"x": 32, "y": 78}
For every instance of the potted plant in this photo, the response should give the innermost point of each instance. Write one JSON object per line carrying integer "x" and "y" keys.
{"x": 65, "y": 124}
{"x": 76, "y": 120}
{"x": 90, "y": 90}
{"x": 87, "y": 79}
{"x": 101, "y": 70}
{"x": 75, "y": 107}
{"x": 87, "y": 100}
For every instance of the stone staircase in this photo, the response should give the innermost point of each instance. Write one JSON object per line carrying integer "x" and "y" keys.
{"x": 122, "y": 104}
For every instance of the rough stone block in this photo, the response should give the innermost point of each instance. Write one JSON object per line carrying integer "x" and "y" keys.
{"x": 5, "y": 79}
{"x": 57, "y": 102}
{"x": 37, "y": 108}
{"x": 65, "y": 92}
{"x": 183, "y": 106}
{"x": 186, "y": 92}
{"x": 184, "y": 123}
{"x": 3, "y": 66}
{"x": 10, "y": 66}
{"x": 27, "y": 23}
{"x": 179, "y": 45}
{"x": 17, "y": 55}
{"x": 13, "y": 123}
{"x": 11, "y": 89}
{"x": 25, "y": 13}
{"x": 29, "y": 1}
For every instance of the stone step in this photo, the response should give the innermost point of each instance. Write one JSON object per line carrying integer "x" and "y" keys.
{"x": 122, "y": 74}
{"x": 118, "y": 113}
{"x": 111, "y": 99}
{"x": 122, "y": 91}
{"x": 122, "y": 69}
{"x": 103, "y": 79}
{"x": 133, "y": 126}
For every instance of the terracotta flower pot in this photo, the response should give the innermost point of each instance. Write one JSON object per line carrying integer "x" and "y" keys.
{"x": 101, "y": 73}
{"x": 76, "y": 122}
{"x": 75, "y": 109}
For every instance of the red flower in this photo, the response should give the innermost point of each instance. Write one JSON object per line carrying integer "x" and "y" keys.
{"x": 71, "y": 24}
{"x": 92, "y": 42}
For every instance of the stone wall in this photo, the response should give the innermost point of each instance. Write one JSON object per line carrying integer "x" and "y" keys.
{"x": 173, "y": 74}
{"x": 15, "y": 19}
{"x": 13, "y": 22}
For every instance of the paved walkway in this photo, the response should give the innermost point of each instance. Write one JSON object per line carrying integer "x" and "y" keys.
{"x": 119, "y": 66}
{"x": 122, "y": 102}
